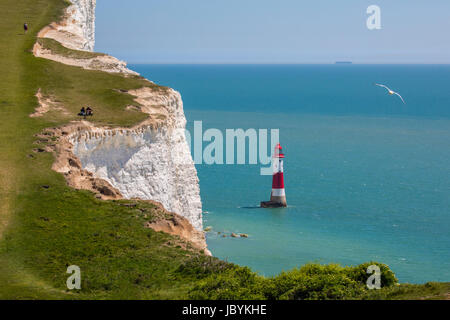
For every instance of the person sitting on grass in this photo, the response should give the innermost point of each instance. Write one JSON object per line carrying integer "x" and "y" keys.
{"x": 89, "y": 111}
{"x": 25, "y": 27}
{"x": 82, "y": 112}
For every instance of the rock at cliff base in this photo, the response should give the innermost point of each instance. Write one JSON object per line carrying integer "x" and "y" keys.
{"x": 180, "y": 226}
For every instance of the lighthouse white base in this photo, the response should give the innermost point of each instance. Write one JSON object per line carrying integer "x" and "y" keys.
{"x": 278, "y": 193}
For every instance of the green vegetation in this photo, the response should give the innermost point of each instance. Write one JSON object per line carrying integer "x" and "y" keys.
{"x": 46, "y": 226}
{"x": 427, "y": 291}
{"x": 56, "y": 48}
{"x": 310, "y": 282}
{"x": 43, "y": 230}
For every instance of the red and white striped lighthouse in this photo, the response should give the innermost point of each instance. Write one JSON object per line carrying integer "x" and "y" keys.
{"x": 278, "y": 195}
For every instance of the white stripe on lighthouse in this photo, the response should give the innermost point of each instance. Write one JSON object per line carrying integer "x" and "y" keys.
{"x": 278, "y": 193}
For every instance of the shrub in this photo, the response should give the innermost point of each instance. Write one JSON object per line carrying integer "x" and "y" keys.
{"x": 359, "y": 274}
{"x": 324, "y": 287}
{"x": 239, "y": 283}
{"x": 200, "y": 267}
{"x": 312, "y": 281}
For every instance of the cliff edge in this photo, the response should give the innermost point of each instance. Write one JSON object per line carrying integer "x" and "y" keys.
{"x": 149, "y": 161}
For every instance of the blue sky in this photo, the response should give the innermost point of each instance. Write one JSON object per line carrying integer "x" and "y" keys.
{"x": 282, "y": 31}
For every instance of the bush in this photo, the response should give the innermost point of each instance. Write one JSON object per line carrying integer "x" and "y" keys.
{"x": 324, "y": 287}
{"x": 200, "y": 267}
{"x": 312, "y": 281}
{"x": 239, "y": 283}
{"x": 359, "y": 273}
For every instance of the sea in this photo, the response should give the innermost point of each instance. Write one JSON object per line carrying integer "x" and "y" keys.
{"x": 367, "y": 177}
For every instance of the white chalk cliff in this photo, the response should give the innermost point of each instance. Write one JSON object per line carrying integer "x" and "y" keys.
{"x": 150, "y": 162}
{"x": 78, "y": 28}
{"x": 147, "y": 163}
{"x": 77, "y": 32}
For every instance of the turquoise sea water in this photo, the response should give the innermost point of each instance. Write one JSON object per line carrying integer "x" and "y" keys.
{"x": 367, "y": 178}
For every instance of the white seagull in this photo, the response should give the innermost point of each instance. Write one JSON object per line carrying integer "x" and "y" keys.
{"x": 391, "y": 92}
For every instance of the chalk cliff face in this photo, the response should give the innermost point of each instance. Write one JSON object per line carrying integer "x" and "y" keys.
{"x": 78, "y": 28}
{"x": 77, "y": 32}
{"x": 84, "y": 22}
{"x": 151, "y": 161}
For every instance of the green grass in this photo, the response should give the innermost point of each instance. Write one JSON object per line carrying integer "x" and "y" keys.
{"x": 56, "y": 48}
{"x": 44, "y": 230}
{"x": 427, "y": 291}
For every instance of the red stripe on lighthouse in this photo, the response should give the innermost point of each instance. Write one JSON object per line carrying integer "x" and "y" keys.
{"x": 278, "y": 181}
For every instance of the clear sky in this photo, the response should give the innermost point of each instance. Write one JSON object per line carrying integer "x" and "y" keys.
{"x": 275, "y": 31}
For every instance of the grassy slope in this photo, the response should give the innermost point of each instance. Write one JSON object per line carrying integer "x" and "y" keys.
{"x": 49, "y": 229}
{"x": 42, "y": 231}
{"x": 56, "y": 48}
{"x": 428, "y": 291}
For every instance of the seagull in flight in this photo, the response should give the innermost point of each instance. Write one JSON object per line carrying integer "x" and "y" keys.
{"x": 391, "y": 92}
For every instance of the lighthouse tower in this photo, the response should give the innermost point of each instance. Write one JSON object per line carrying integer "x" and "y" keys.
{"x": 278, "y": 195}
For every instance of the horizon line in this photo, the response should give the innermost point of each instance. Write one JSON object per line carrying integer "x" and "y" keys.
{"x": 291, "y": 63}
